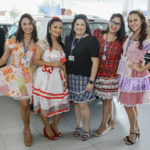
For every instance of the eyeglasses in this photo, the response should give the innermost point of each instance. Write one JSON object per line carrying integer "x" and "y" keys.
{"x": 113, "y": 23}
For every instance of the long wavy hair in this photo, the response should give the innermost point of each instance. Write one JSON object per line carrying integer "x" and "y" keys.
{"x": 144, "y": 26}
{"x": 121, "y": 32}
{"x": 20, "y": 32}
{"x": 84, "y": 18}
{"x": 48, "y": 35}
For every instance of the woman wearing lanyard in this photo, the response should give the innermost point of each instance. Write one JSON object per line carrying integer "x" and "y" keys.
{"x": 110, "y": 41}
{"x": 16, "y": 78}
{"x": 82, "y": 62}
{"x": 134, "y": 86}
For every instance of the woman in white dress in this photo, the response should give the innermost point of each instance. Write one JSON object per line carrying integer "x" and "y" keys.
{"x": 50, "y": 94}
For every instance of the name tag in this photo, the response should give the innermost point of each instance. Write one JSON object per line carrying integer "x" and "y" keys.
{"x": 25, "y": 60}
{"x": 104, "y": 57}
{"x": 71, "y": 58}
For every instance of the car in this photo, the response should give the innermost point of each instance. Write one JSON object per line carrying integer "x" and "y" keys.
{"x": 41, "y": 23}
{"x": 6, "y": 27}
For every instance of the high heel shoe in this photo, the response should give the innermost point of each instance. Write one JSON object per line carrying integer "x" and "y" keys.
{"x": 130, "y": 142}
{"x": 59, "y": 134}
{"x": 138, "y": 135}
{"x": 49, "y": 137}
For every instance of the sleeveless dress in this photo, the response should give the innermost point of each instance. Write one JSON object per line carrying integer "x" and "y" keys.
{"x": 16, "y": 78}
{"x": 134, "y": 86}
{"x": 49, "y": 95}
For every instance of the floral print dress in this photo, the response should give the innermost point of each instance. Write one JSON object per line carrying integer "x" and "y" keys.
{"x": 16, "y": 78}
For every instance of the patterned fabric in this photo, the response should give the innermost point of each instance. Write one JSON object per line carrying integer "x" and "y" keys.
{"x": 108, "y": 68}
{"x": 134, "y": 87}
{"x": 77, "y": 85}
{"x": 49, "y": 95}
{"x": 16, "y": 78}
{"x": 106, "y": 88}
{"x": 107, "y": 78}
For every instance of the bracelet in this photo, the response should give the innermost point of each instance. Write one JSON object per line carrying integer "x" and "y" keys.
{"x": 91, "y": 82}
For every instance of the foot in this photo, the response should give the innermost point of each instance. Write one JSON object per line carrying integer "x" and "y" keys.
{"x": 131, "y": 139}
{"x": 27, "y": 138}
{"x": 49, "y": 132}
{"x": 138, "y": 135}
{"x": 77, "y": 132}
{"x": 102, "y": 131}
{"x": 112, "y": 124}
{"x": 55, "y": 130}
{"x": 85, "y": 136}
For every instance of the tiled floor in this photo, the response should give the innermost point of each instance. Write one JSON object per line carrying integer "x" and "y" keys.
{"x": 11, "y": 130}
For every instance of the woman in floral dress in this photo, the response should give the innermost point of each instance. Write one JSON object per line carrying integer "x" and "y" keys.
{"x": 50, "y": 94}
{"x": 16, "y": 78}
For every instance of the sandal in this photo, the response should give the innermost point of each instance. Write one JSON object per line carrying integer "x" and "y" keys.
{"x": 138, "y": 135}
{"x": 129, "y": 141}
{"x": 59, "y": 134}
{"x": 97, "y": 134}
{"x": 77, "y": 132}
{"x": 85, "y": 136}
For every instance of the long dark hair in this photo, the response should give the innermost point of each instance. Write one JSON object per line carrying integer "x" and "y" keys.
{"x": 143, "y": 33}
{"x": 84, "y": 18}
{"x": 121, "y": 32}
{"x": 20, "y": 32}
{"x": 48, "y": 35}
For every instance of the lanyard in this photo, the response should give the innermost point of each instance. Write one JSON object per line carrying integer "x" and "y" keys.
{"x": 25, "y": 49}
{"x": 73, "y": 45}
{"x": 105, "y": 44}
{"x": 130, "y": 42}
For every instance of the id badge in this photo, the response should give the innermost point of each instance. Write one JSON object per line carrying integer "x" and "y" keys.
{"x": 71, "y": 58}
{"x": 103, "y": 57}
{"x": 25, "y": 60}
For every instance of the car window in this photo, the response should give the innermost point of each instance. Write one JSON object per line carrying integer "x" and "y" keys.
{"x": 93, "y": 26}
{"x": 41, "y": 25}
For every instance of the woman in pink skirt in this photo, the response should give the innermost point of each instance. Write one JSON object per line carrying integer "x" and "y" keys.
{"x": 134, "y": 86}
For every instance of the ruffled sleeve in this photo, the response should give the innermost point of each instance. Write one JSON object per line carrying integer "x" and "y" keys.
{"x": 146, "y": 45}
{"x": 10, "y": 44}
{"x": 43, "y": 44}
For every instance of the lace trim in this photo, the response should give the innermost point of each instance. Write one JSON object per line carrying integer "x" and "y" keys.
{"x": 107, "y": 80}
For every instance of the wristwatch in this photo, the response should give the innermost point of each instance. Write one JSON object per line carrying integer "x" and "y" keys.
{"x": 91, "y": 82}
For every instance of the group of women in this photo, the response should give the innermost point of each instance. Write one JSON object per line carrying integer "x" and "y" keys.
{"x": 106, "y": 63}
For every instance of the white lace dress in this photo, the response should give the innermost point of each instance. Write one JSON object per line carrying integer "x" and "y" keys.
{"x": 49, "y": 94}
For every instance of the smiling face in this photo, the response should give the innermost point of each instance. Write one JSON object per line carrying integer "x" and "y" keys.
{"x": 26, "y": 26}
{"x": 79, "y": 27}
{"x": 56, "y": 29}
{"x": 114, "y": 24}
{"x": 134, "y": 22}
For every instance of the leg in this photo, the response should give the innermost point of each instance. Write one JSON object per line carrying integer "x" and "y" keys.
{"x": 132, "y": 119}
{"x": 54, "y": 125}
{"x": 25, "y": 114}
{"x": 107, "y": 114}
{"x": 77, "y": 115}
{"x": 47, "y": 126}
{"x": 136, "y": 112}
{"x": 85, "y": 114}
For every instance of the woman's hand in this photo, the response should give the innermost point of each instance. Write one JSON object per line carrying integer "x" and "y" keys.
{"x": 136, "y": 67}
{"x": 65, "y": 84}
{"x": 58, "y": 64}
{"x": 89, "y": 87}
